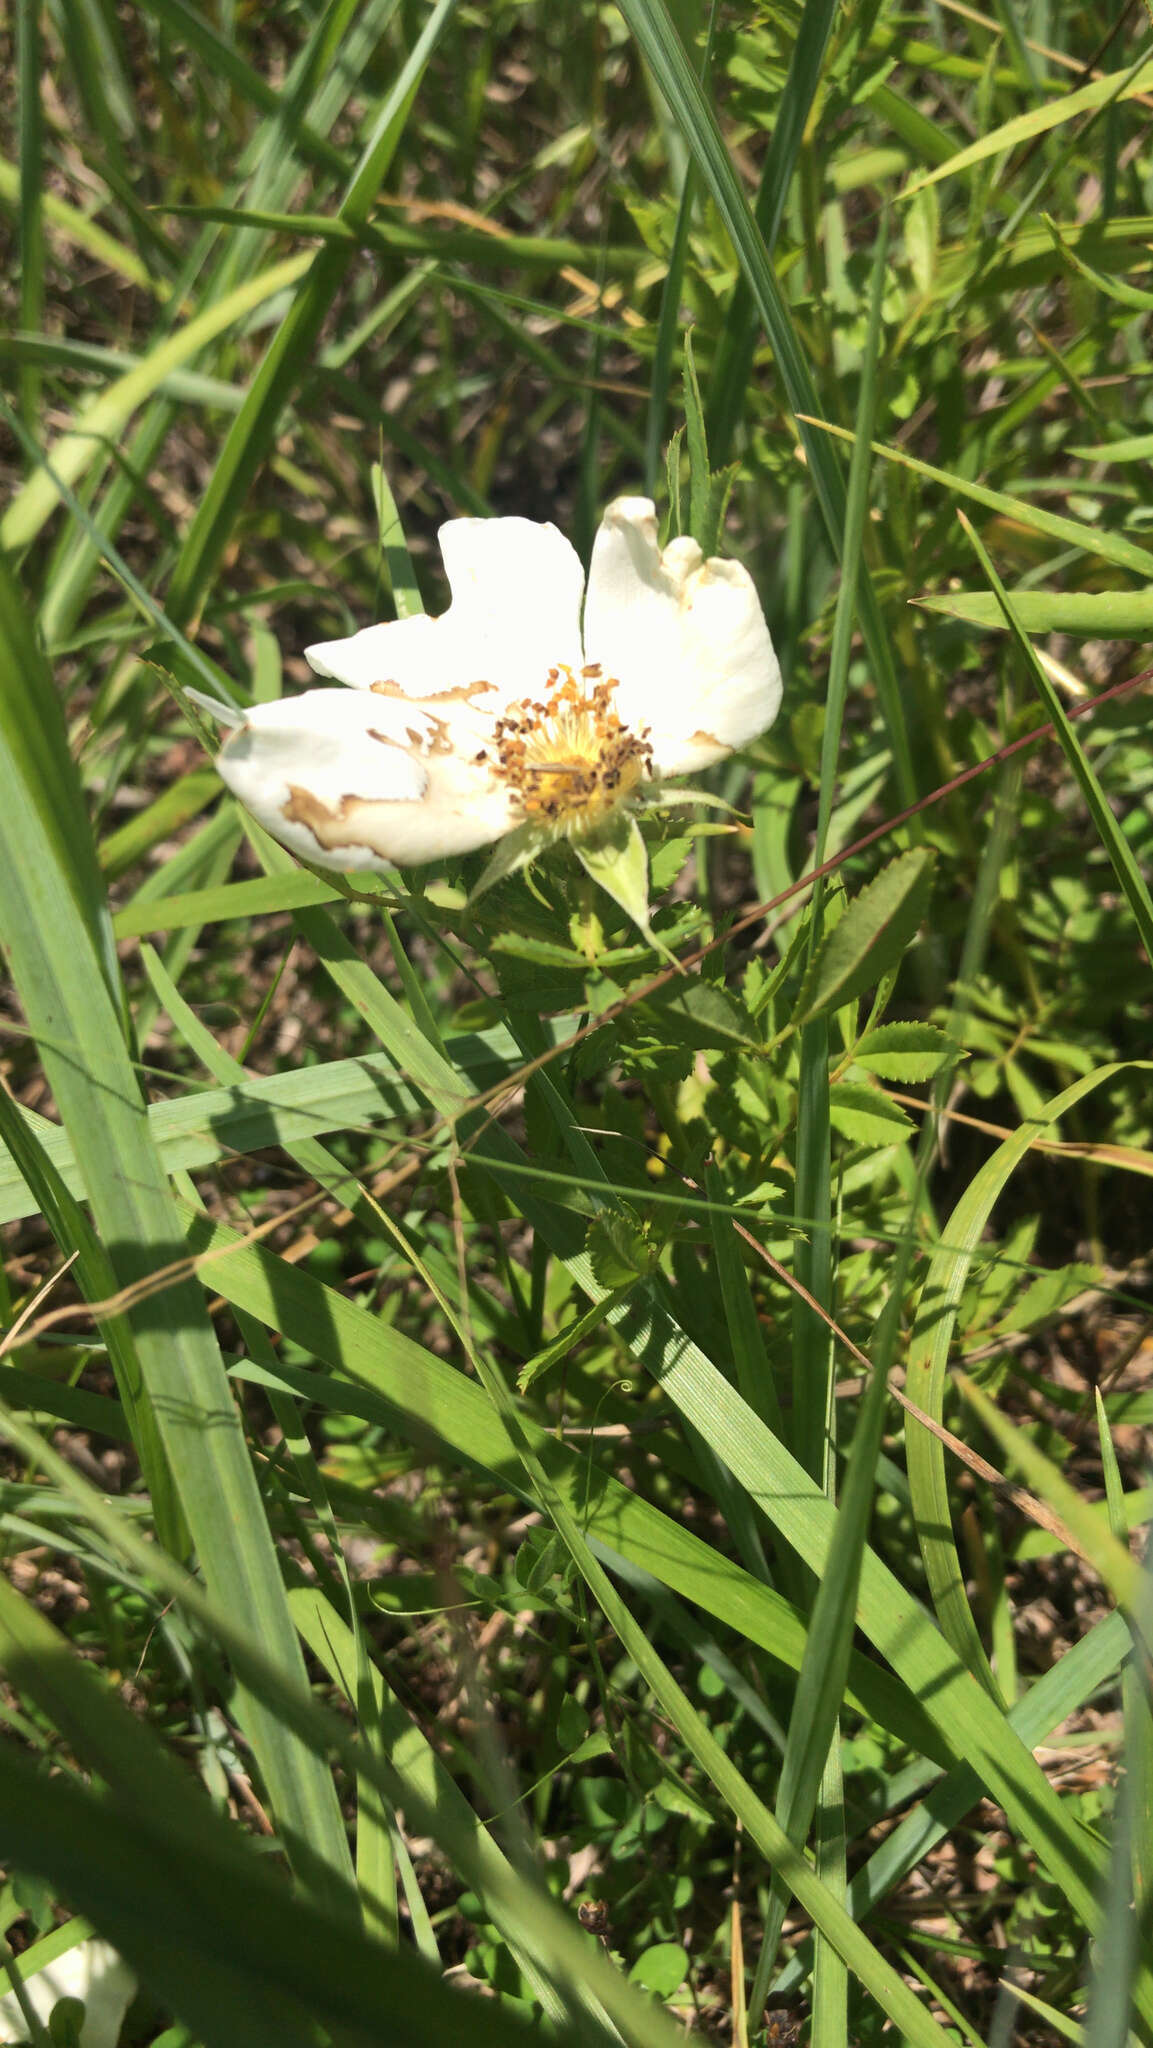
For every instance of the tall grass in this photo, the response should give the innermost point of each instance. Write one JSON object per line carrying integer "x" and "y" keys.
{"x": 486, "y": 1398}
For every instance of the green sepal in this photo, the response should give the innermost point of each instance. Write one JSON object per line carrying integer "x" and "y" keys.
{"x": 617, "y": 859}
{"x": 662, "y": 799}
{"x": 512, "y": 853}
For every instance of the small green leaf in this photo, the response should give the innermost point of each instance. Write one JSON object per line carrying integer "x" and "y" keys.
{"x": 540, "y": 1557}
{"x": 871, "y": 937}
{"x": 619, "y": 1250}
{"x": 698, "y": 451}
{"x": 709, "y": 490}
{"x": 596, "y": 1745}
{"x": 673, "y": 482}
{"x": 662, "y": 1969}
{"x": 865, "y": 1115}
{"x": 394, "y": 547}
{"x": 711, "y": 1017}
{"x": 923, "y": 238}
{"x": 572, "y": 1724}
{"x": 573, "y": 1334}
{"x": 904, "y": 1052}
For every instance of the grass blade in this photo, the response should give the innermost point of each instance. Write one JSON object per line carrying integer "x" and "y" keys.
{"x": 67, "y": 992}
{"x": 32, "y": 181}
{"x": 1025, "y": 128}
{"x": 653, "y": 29}
{"x": 735, "y": 352}
{"x": 291, "y": 351}
{"x": 1092, "y": 540}
{"x": 1109, "y": 831}
{"x": 102, "y": 421}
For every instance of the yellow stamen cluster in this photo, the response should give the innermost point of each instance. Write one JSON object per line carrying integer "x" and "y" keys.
{"x": 568, "y": 759}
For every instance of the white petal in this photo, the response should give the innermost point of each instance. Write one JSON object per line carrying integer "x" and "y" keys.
{"x": 523, "y": 582}
{"x": 420, "y": 656}
{"x": 92, "y": 1972}
{"x": 365, "y": 782}
{"x": 515, "y": 613}
{"x": 685, "y": 638}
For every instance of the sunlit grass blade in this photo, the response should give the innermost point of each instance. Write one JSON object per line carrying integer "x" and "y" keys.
{"x": 795, "y": 1506}
{"x": 68, "y": 993}
{"x": 210, "y": 1124}
{"x": 1120, "y": 1572}
{"x": 504, "y": 1229}
{"x": 655, "y": 33}
{"x": 71, "y": 228}
{"x": 1024, "y": 128}
{"x": 172, "y": 1887}
{"x": 1121, "y": 1953}
{"x": 735, "y": 352}
{"x": 786, "y": 1496}
{"x": 814, "y": 1420}
{"x": 123, "y": 1753}
{"x": 669, "y": 323}
{"x": 1112, "y": 838}
{"x": 851, "y": 1944}
{"x": 174, "y": 807}
{"x": 208, "y": 275}
{"x": 1092, "y": 540}
{"x": 29, "y": 64}
{"x": 928, "y": 1369}
{"x": 78, "y": 1242}
{"x": 102, "y": 421}
{"x": 289, "y": 891}
{"x": 1123, "y": 1980}
{"x": 289, "y": 354}
{"x": 386, "y": 1377}
{"x": 855, "y": 1949}
{"x": 1057, "y": 1693}
{"x": 411, "y": 1758}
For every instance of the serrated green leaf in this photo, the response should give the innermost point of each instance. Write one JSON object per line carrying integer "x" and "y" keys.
{"x": 904, "y": 1052}
{"x": 1045, "y": 1296}
{"x": 711, "y": 1017}
{"x": 573, "y": 1334}
{"x": 871, "y": 937}
{"x": 620, "y": 1252}
{"x": 865, "y": 1115}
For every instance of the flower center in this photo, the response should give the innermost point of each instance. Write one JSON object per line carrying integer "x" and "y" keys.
{"x": 568, "y": 759}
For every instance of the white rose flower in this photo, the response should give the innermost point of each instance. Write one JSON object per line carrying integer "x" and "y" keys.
{"x": 504, "y": 717}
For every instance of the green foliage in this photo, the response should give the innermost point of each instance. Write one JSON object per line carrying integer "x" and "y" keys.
{"x": 432, "y": 1323}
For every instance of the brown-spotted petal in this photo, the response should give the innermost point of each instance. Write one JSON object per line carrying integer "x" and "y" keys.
{"x": 515, "y": 613}
{"x": 356, "y": 781}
